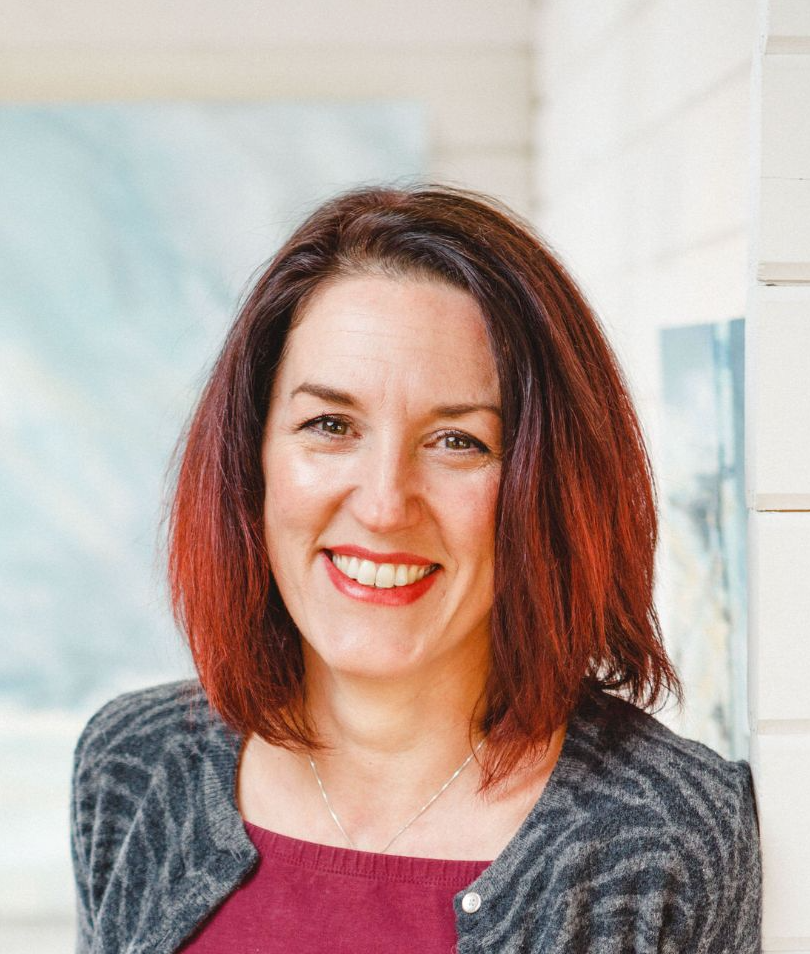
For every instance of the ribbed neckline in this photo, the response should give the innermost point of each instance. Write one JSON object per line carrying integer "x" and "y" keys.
{"x": 369, "y": 865}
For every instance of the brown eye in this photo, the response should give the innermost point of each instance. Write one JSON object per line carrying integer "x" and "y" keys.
{"x": 331, "y": 425}
{"x": 454, "y": 440}
{"x": 326, "y": 425}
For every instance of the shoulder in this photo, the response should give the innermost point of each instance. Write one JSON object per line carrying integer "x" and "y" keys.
{"x": 152, "y": 803}
{"x": 666, "y": 797}
{"x": 635, "y": 755}
{"x": 134, "y": 728}
{"x": 125, "y": 742}
{"x": 143, "y": 719}
{"x": 151, "y": 744}
{"x": 655, "y": 838}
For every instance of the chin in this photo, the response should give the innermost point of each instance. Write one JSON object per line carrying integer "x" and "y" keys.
{"x": 363, "y": 660}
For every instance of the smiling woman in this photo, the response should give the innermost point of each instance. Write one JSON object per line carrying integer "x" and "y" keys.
{"x": 411, "y": 546}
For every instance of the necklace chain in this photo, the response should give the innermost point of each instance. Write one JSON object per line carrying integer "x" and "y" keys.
{"x": 408, "y": 823}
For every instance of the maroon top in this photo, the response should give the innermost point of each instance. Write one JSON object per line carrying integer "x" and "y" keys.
{"x": 303, "y": 896}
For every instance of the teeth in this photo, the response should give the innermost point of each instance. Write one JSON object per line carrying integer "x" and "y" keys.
{"x": 367, "y": 573}
{"x": 380, "y": 575}
{"x": 385, "y": 576}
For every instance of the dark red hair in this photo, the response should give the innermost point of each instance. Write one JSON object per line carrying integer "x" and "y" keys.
{"x": 573, "y": 612}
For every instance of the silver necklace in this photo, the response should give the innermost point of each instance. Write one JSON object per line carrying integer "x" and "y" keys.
{"x": 408, "y": 823}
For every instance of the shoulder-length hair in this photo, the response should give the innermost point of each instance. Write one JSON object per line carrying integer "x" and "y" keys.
{"x": 573, "y": 610}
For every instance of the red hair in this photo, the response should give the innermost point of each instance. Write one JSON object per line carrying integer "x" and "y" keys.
{"x": 573, "y": 610}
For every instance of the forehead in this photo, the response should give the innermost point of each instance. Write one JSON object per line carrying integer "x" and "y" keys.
{"x": 411, "y": 328}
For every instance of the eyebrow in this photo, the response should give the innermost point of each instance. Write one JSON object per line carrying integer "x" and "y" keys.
{"x": 345, "y": 399}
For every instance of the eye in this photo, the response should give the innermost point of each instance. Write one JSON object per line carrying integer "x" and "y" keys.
{"x": 328, "y": 425}
{"x": 459, "y": 441}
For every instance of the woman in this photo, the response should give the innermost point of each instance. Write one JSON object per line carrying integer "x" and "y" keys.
{"x": 411, "y": 546}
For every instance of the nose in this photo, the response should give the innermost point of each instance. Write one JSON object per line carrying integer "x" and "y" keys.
{"x": 385, "y": 497}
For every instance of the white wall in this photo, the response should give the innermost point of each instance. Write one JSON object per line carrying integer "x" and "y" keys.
{"x": 468, "y": 60}
{"x": 641, "y": 178}
{"x": 778, "y": 470}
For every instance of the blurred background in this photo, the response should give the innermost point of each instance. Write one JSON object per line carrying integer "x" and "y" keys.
{"x": 154, "y": 155}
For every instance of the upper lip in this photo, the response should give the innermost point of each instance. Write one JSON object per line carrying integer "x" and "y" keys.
{"x": 399, "y": 556}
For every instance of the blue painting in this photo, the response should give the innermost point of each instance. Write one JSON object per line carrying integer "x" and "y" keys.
{"x": 704, "y": 528}
{"x": 128, "y": 233}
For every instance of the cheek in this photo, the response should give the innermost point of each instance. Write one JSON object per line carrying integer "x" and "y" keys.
{"x": 297, "y": 499}
{"x": 289, "y": 476}
{"x": 470, "y": 520}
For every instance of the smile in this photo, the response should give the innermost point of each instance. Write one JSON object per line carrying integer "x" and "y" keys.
{"x": 380, "y": 575}
{"x": 383, "y": 588}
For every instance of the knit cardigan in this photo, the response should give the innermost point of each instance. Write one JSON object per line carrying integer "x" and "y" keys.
{"x": 641, "y": 842}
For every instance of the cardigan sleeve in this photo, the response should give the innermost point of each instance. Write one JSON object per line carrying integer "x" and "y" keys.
{"x": 737, "y": 928}
{"x": 685, "y": 880}
{"x": 713, "y": 902}
{"x": 701, "y": 894}
{"x": 113, "y": 768}
{"x": 80, "y": 840}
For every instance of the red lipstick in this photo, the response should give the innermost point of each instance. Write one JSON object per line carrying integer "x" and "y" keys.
{"x": 399, "y": 556}
{"x": 393, "y": 596}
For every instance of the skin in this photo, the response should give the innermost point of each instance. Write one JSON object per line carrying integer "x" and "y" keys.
{"x": 391, "y": 689}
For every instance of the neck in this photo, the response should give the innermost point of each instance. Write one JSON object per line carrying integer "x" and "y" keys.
{"x": 408, "y": 733}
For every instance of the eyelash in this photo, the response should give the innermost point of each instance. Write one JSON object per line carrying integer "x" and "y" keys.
{"x": 312, "y": 425}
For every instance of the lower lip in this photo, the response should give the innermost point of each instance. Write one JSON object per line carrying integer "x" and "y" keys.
{"x": 393, "y": 596}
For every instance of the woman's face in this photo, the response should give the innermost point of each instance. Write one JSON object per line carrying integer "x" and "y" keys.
{"x": 382, "y": 450}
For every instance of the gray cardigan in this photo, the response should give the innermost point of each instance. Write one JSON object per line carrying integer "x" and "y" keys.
{"x": 641, "y": 842}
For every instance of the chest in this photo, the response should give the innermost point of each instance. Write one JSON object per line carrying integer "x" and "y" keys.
{"x": 460, "y": 825}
